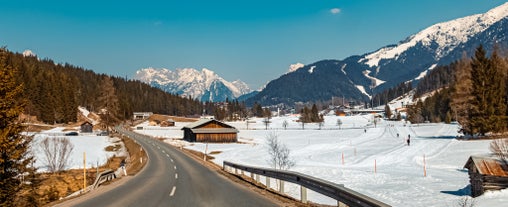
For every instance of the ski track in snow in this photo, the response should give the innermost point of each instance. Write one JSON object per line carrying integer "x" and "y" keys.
{"x": 398, "y": 180}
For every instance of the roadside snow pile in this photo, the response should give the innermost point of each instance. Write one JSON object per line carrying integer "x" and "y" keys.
{"x": 399, "y": 178}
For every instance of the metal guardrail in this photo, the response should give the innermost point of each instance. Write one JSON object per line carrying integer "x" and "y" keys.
{"x": 104, "y": 176}
{"x": 336, "y": 191}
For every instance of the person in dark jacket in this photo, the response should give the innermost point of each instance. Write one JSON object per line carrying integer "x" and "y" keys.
{"x": 408, "y": 139}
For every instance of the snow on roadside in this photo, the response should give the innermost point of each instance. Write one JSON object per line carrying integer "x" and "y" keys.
{"x": 398, "y": 180}
{"x": 94, "y": 147}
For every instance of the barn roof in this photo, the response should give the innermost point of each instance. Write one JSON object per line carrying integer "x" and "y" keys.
{"x": 202, "y": 122}
{"x": 86, "y": 122}
{"x": 195, "y": 127}
{"x": 488, "y": 166}
{"x": 214, "y": 131}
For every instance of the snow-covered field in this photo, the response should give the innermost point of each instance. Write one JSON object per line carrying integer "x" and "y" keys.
{"x": 399, "y": 178}
{"x": 94, "y": 147}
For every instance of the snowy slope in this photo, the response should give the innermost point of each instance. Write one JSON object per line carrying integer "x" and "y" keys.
{"x": 446, "y": 35}
{"x": 410, "y": 60}
{"x": 399, "y": 178}
{"x": 205, "y": 85}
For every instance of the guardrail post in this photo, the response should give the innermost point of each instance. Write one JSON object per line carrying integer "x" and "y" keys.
{"x": 281, "y": 186}
{"x": 252, "y": 175}
{"x": 303, "y": 194}
{"x": 257, "y": 178}
{"x": 267, "y": 182}
{"x": 236, "y": 171}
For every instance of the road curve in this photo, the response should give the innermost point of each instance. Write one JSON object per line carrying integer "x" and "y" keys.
{"x": 171, "y": 178}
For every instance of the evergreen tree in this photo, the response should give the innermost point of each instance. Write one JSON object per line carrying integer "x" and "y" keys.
{"x": 461, "y": 96}
{"x": 14, "y": 150}
{"x": 108, "y": 103}
{"x": 483, "y": 114}
{"x": 498, "y": 119}
{"x": 388, "y": 111}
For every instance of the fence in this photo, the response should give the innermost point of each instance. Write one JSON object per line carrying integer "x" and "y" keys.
{"x": 338, "y": 192}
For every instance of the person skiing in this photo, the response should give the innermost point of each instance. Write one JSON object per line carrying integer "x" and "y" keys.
{"x": 408, "y": 139}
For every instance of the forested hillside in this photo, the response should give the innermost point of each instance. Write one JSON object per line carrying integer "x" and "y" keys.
{"x": 54, "y": 92}
{"x": 471, "y": 91}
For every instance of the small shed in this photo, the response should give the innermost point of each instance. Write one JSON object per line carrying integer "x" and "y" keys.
{"x": 168, "y": 123}
{"x": 86, "y": 127}
{"x": 486, "y": 173}
{"x": 210, "y": 130}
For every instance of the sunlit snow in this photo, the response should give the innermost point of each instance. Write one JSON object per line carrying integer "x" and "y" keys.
{"x": 399, "y": 178}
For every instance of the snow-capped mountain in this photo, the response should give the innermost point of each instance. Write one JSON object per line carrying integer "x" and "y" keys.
{"x": 358, "y": 77}
{"x": 441, "y": 38}
{"x": 204, "y": 85}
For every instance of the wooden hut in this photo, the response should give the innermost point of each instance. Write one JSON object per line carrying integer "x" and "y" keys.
{"x": 86, "y": 127}
{"x": 209, "y": 130}
{"x": 168, "y": 123}
{"x": 486, "y": 173}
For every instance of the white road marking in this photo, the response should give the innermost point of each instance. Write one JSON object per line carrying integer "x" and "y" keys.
{"x": 172, "y": 191}
{"x": 167, "y": 155}
{"x": 176, "y": 175}
{"x": 174, "y": 167}
{"x": 171, "y": 160}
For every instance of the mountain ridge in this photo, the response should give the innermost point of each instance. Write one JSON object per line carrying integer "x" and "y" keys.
{"x": 205, "y": 85}
{"x": 409, "y": 60}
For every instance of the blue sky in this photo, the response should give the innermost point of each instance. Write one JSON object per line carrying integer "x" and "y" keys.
{"x": 254, "y": 41}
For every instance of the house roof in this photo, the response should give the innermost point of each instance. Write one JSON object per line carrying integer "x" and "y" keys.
{"x": 215, "y": 131}
{"x": 86, "y": 122}
{"x": 202, "y": 122}
{"x": 488, "y": 166}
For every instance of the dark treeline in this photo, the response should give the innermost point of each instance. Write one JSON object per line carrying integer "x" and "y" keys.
{"x": 228, "y": 110}
{"x": 54, "y": 92}
{"x": 311, "y": 115}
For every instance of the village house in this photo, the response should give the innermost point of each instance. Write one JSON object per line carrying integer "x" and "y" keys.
{"x": 86, "y": 127}
{"x": 141, "y": 115}
{"x": 486, "y": 173}
{"x": 209, "y": 130}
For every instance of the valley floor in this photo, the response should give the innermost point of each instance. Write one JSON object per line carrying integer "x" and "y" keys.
{"x": 399, "y": 178}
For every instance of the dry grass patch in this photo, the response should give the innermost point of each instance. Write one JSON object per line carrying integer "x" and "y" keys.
{"x": 159, "y": 118}
{"x": 54, "y": 186}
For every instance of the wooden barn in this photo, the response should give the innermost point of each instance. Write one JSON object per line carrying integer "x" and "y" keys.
{"x": 209, "y": 130}
{"x": 486, "y": 173}
{"x": 86, "y": 127}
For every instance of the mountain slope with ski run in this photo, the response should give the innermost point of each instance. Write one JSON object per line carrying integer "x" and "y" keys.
{"x": 358, "y": 77}
{"x": 447, "y": 35}
{"x": 204, "y": 85}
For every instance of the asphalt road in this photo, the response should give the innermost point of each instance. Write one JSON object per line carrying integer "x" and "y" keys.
{"x": 171, "y": 178}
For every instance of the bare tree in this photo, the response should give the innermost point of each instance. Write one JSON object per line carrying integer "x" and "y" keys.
{"x": 500, "y": 148}
{"x": 466, "y": 201}
{"x": 279, "y": 153}
{"x": 57, "y": 152}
